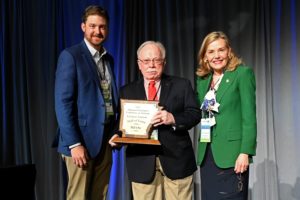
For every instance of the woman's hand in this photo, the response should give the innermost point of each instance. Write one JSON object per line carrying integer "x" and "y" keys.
{"x": 241, "y": 163}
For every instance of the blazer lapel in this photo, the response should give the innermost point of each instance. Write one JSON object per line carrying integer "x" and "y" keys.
{"x": 113, "y": 85}
{"x": 165, "y": 85}
{"x": 227, "y": 80}
{"x": 91, "y": 63}
{"x": 140, "y": 90}
{"x": 205, "y": 87}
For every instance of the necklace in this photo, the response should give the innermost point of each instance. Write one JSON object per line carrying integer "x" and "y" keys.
{"x": 216, "y": 78}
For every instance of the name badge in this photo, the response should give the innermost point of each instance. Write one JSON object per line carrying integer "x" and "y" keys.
{"x": 205, "y": 130}
{"x": 104, "y": 84}
{"x": 154, "y": 134}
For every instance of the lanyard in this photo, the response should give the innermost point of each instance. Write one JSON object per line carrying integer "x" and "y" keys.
{"x": 156, "y": 93}
{"x": 216, "y": 85}
{"x": 101, "y": 69}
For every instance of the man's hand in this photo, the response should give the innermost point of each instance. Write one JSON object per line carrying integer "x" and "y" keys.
{"x": 163, "y": 117}
{"x": 80, "y": 156}
{"x": 113, "y": 144}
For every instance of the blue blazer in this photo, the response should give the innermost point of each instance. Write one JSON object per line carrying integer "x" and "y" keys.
{"x": 79, "y": 104}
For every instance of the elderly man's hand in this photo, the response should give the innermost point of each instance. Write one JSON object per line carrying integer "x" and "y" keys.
{"x": 163, "y": 117}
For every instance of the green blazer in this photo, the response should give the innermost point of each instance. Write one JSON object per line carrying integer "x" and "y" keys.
{"x": 235, "y": 129}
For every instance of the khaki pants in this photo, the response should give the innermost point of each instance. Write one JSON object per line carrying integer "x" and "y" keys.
{"x": 163, "y": 188}
{"x": 92, "y": 181}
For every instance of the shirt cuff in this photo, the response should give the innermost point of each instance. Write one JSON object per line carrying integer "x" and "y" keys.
{"x": 74, "y": 145}
{"x": 174, "y": 127}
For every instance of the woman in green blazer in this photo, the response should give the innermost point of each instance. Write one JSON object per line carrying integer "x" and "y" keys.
{"x": 226, "y": 93}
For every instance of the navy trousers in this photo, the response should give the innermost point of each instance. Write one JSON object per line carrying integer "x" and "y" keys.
{"x": 218, "y": 183}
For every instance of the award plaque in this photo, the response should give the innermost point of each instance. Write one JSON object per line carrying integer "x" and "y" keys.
{"x": 135, "y": 122}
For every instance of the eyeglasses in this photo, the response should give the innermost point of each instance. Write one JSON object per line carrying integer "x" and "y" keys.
{"x": 157, "y": 61}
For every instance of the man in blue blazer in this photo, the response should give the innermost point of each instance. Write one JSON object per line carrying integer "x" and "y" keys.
{"x": 85, "y": 103}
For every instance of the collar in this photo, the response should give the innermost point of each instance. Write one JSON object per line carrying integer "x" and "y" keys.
{"x": 95, "y": 53}
{"x": 146, "y": 83}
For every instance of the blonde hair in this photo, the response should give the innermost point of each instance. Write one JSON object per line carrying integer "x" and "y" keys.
{"x": 203, "y": 67}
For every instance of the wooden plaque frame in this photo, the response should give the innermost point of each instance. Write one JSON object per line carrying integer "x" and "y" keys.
{"x": 135, "y": 124}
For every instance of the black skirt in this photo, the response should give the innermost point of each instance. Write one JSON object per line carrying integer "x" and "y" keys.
{"x": 218, "y": 183}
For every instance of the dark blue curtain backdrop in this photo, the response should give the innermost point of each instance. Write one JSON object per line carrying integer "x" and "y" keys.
{"x": 32, "y": 34}
{"x": 265, "y": 33}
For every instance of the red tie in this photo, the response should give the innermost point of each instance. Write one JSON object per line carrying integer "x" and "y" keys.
{"x": 151, "y": 91}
